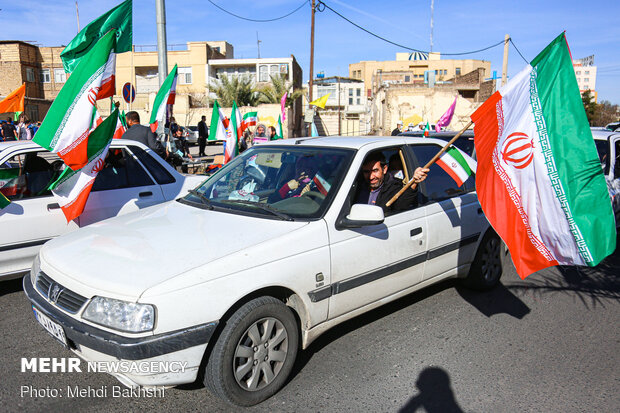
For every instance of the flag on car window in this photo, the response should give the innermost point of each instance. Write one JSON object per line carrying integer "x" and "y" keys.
{"x": 4, "y": 201}
{"x": 118, "y": 18}
{"x": 427, "y": 129}
{"x": 165, "y": 97}
{"x": 68, "y": 123}
{"x": 11, "y": 184}
{"x": 455, "y": 165}
{"x": 72, "y": 188}
{"x": 538, "y": 178}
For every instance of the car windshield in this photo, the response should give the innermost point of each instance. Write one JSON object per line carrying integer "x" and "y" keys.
{"x": 603, "y": 153}
{"x": 279, "y": 182}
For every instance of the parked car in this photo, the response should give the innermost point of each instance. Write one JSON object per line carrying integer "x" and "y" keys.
{"x": 133, "y": 177}
{"x": 192, "y": 135}
{"x": 608, "y": 147}
{"x": 465, "y": 142}
{"x": 238, "y": 275}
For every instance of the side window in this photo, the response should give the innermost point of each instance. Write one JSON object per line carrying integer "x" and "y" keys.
{"x": 617, "y": 161}
{"x": 121, "y": 171}
{"x": 161, "y": 175}
{"x": 28, "y": 175}
{"x": 439, "y": 185}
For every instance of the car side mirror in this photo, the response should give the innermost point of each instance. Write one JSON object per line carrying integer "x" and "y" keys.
{"x": 362, "y": 215}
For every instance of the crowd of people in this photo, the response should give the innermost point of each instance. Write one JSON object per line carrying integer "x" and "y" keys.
{"x": 25, "y": 129}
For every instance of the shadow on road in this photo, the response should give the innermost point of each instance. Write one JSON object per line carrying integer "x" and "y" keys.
{"x": 499, "y": 300}
{"x": 10, "y": 286}
{"x": 435, "y": 393}
{"x": 590, "y": 285}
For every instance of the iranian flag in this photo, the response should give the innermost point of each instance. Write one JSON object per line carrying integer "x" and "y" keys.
{"x": 249, "y": 119}
{"x": 455, "y": 165}
{"x": 219, "y": 124}
{"x": 279, "y": 133}
{"x": 539, "y": 179}
{"x": 12, "y": 183}
{"x": 121, "y": 126}
{"x": 232, "y": 134}
{"x": 427, "y": 129}
{"x": 68, "y": 122}
{"x": 72, "y": 188}
{"x": 165, "y": 97}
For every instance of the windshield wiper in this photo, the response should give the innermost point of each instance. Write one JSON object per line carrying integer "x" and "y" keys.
{"x": 202, "y": 197}
{"x": 264, "y": 207}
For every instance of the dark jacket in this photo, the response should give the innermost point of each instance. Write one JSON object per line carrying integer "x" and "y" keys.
{"x": 396, "y": 132}
{"x": 203, "y": 130}
{"x": 143, "y": 134}
{"x": 391, "y": 186}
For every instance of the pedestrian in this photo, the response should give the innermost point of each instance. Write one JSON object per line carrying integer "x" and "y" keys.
{"x": 272, "y": 133}
{"x": 22, "y": 131}
{"x": 142, "y": 134}
{"x": 182, "y": 143}
{"x": 399, "y": 128}
{"x": 8, "y": 130}
{"x": 203, "y": 135}
{"x": 261, "y": 134}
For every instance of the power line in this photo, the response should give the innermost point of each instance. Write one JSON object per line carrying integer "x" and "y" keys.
{"x": 517, "y": 49}
{"x": 322, "y": 6}
{"x": 259, "y": 20}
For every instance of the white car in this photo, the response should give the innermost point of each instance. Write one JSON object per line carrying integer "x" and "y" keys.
{"x": 134, "y": 177}
{"x": 608, "y": 147}
{"x": 268, "y": 254}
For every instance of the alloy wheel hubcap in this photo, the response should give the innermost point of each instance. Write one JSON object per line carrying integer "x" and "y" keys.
{"x": 491, "y": 260}
{"x": 260, "y": 354}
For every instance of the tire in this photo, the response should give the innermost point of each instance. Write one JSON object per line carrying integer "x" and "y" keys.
{"x": 487, "y": 268}
{"x": 254, "y": 354}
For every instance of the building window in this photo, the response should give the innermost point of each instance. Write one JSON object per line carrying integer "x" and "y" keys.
{"x": 586, "y": 79}
{"x": 587, "y": 72}
{"x": 185, "y": 75}
{"x": 45, "y": 76}
{"x": 436, "y": 72}
{"x": 578, "y": 72}
{"x": 60, "y": 76}
{"x": 358, "y": 101}
{"x": 263, "y": 73}
{"x": 350, "y": 101}
{"x": 458, "y": 71}
{"x": 350, "y": 92}
{"x": 359, "y": 92}
{"x": 29, "y": 74}
{"x": 407, "y": 79}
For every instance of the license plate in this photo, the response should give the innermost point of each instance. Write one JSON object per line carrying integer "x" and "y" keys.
{"x": 50, "y": 326}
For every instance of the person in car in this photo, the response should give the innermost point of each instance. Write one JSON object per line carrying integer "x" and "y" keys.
{"x": 381, "y": 186}
{"x": 305, "y": 170}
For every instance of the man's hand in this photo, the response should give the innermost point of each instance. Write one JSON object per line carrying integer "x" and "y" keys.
{"x": 420, "y": 174}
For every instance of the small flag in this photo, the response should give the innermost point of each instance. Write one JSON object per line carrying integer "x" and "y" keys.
{"x": 4, "y": 201}
{"x": 14, "y": 102}
{"x": 539, "y": 179}
{"x": 279, "y": 133}
{"x": 455, "y": 165}
{"x": 118, "y": 18}
{"x": 11, "y": 184}
{"x": 164, "y": 99}
{"x": 446, "y": 118}
{"x": 427, "y": 129}
{"x": 249, "y": 119}
{"x": 72, "y": 188}
{"x": 321, "y": 184}
{"x": 320, "y": 102}
{"x": 282, "y": 104}
{"x": 69, "y": 120}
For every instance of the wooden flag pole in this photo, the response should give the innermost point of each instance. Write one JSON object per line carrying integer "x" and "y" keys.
{"x": 412, "y": 182}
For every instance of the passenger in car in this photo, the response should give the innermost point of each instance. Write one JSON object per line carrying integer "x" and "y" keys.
{"x": 305, "y": 169}
{"x": 381, "y": 186}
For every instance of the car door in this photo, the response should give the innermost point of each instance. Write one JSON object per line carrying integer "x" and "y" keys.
{"x": 122, "y": 186}
{"x": 33, "y": 216}
{"x": 375, "y": 261}
{"x": 453, "y": 216}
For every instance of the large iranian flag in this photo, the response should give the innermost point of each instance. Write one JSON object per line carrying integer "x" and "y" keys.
{"x": 233, "y": 133}
{"x": 72, "y": 188}
{"x": 219, "y": 124}
{"x": 539, "y": 179}
{"x": 69, "y": 120}
{"x": 165, "y": 97}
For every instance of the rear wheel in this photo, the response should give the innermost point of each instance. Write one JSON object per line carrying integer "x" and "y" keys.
{"x": 487, "y": 267}
{"x": 254, "y": 354}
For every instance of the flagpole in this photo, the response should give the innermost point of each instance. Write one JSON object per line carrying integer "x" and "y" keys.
{"x": 412, "y": 182}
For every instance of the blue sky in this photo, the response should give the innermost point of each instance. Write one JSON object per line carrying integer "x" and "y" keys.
{"x": 459, "y": 26}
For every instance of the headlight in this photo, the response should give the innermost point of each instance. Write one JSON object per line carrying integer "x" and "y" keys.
{"x": 120, "y": 315}
{"x": 34, "y": 271}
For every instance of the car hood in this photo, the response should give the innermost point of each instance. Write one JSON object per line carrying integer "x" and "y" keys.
{"x": 126, "y": 255}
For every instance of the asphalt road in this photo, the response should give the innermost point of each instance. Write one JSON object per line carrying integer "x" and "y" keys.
{"x": 546, "y": 344}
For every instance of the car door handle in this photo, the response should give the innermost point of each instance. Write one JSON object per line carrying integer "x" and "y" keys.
{"x": 145, "y": 194}
{"x": 416, "y": 231}
{"x": 52, "y": 206}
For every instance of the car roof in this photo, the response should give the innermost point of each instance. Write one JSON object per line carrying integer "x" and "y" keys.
{"x": 30, "y": 144}
{"x": 354, "y": 142}
{"x": 441, "y": 135}
{"x": 603, "y": 135}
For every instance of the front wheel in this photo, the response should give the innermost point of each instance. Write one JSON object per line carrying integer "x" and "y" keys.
{"x": 487, "y": 267}
{"x": 254, "y": 354}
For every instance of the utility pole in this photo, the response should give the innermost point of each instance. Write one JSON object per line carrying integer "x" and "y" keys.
{"x": 505, "y": 62}
{"x": 311, "y": 60}
{"x": 77, "y": 13}
{"x": 162, "y": 43}
{"x": 432, "y": 12}
{"x": 339, "y": 128}
{"x": 258, "y": 44}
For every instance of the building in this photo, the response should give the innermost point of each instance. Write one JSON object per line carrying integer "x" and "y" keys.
{"x": 585, "y": 71}
{"x": 413, "y": 68}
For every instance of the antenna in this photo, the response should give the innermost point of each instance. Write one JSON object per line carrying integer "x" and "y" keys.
{"x": 77, "y": 14}
{"x": 258, "y": 42}
{"x": 432, "y": 12}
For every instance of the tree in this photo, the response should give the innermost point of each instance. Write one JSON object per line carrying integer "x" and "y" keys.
{"x": 235, "y": 88}
{"x": 589, "y": 105}
{"x": 273, "y": 93}
{"x": 606, "y": 113}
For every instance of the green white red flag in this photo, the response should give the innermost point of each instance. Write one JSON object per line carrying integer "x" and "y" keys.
{"x": 427, "y": 129}
{"x": 165, "y": 98}
{"x": 279, "y": 133}
{"x": 455, "y": 165}
{"x": 72, "y": 188}
{"x": 12, "y": 183}
{"x": 538, "y": 177}
{"x": 217, "y": 130}
{"x": 68, "y": 122}
{"x": 233, "y": 134}
{"x": 249, "y": 119}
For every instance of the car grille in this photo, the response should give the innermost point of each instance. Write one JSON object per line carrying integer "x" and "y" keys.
{"x": 60, "y": 296}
